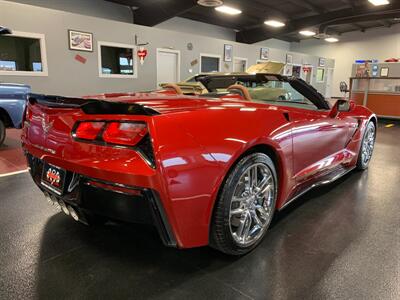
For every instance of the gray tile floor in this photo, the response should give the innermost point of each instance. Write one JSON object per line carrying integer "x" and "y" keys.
{"x": 337, "y": 242}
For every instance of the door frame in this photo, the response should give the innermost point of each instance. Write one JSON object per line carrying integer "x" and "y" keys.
{"x": 329, "y": 71}
{"x": 240, "y": 58}
{"x": 166, "y": 50}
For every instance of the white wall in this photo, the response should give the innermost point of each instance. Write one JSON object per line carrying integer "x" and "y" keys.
{"x": 380, "y": 43}
{"x": 66, "y": 76}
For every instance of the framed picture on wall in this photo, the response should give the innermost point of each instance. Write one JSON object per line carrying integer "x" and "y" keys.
{"x": 321, "y": 62}
{"x": 288, "y": 70}
{"x": 80, "y": 41}
{"x": 384, "y": 72}
{"x": 264, "y": 53}
{"x": 289, "y": 58}
{"x": 228, "y": 49}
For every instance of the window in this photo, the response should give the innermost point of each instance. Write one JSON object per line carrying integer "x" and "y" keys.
{"x": 210, "y": 63}
{"x": 117, "y": 60}
{"x": 320, "y": 75}
{"x": 277, "y": 93}
{"x": 23, "y": 53}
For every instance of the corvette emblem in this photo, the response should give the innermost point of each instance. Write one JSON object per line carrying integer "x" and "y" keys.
{"x": 46, "y": 124}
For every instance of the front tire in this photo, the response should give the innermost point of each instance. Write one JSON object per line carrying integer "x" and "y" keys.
{"x": 367, "y": 146}
{"x": 2, "y": 132}
{"x": 245, "y": 206}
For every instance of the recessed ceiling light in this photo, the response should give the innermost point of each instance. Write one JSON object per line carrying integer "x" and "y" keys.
{"x": 210, "y": 3}
{"x": 228, "y": 10}
{"x": 274, "y": 23}
{"x": 331, "y": 40}
{"x": 379, "y": 2}
{"x": 307, "y": 32}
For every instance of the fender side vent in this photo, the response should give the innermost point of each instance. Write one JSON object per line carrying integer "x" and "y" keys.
{"x": 286, "y": 115}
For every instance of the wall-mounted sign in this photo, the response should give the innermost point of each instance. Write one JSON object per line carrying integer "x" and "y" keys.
{"x": 264, "y": 53}
{"x": 363, "y": 70}
{"x": 142, "y": 53}
{"x": 375, "y": 70}
{"x": 228, "y": 49}
{"x": 384, "y": 72}
{"x": 321, "y": 62}
{"x": 288, "y": 70}
{"x": 80, "y": 58}
{"x": 289, "y": 58}
{"x": 81, "y": 41}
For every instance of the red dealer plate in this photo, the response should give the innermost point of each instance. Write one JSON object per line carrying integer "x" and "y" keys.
{"x": 53, "y": 178}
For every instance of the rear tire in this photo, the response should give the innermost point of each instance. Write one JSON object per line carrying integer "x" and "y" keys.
{"x": 367, "y": 146}
{"x": 246, "y": 205}
{"x": 2, "y": 132}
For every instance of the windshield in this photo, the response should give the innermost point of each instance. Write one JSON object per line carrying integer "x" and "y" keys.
{"x": 274, "y": 91}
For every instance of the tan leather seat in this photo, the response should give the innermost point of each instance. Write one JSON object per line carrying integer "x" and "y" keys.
{"x": 174, "y": 87}
{"x": 241, "y": 90}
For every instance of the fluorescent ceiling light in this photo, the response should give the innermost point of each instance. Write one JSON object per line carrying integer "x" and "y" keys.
{"x": 379, "y": 2}
{"x": 331, "y": 40}
{"x": 228, "y": 10}
{"x": 307, "y": 32}
{"x": 274, "y": 23}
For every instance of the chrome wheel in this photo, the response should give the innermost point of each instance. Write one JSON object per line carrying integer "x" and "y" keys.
{"x": 368, "y": 144}
{"x": 252, "y": 203}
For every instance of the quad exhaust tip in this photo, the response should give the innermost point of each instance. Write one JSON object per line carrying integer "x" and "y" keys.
{"x": 54, "y": 201}
{"x": 67, "y": 209}
{"x": 73, "y": 213}
{"x": 64, "y": 207}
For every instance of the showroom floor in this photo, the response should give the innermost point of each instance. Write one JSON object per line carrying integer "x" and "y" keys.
{"x": 11, "y": 157}
{"x": 336, "y": 242}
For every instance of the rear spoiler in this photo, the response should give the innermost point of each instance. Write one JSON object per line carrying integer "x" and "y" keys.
{"x": 92, "y": 106}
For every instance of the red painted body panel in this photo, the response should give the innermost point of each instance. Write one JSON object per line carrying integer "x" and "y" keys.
{"x": 196, "y": 142}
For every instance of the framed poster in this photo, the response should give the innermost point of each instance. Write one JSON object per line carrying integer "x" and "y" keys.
{"x": 289, "y": 58}
{"x": 228, "y": 49}
{"x": 384, "y": 72}
{"x": 321, "y": 62}
{"x": 80, "y": 41}
{"x": 288, "y": 70}
{"x": 264, "y": 53}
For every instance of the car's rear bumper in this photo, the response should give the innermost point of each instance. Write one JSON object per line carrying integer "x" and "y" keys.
{"x": 112, "y": 200}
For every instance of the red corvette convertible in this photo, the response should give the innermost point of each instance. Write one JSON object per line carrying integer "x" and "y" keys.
{"x": 206, "y": 170}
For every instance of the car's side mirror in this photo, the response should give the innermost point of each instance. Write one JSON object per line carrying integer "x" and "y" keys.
{"x": 341, "y": 105}
{"x": 4, "y": 30}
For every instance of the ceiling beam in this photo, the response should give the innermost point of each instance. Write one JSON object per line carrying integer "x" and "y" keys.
{"x": 153, "y": 12}
{"x": 343, "y": 16}
{"x": 308, "y": 5}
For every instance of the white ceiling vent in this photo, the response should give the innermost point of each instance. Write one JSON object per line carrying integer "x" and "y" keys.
{"x": 210, "y": 3}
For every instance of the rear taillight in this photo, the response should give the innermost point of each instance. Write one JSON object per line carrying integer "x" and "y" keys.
{"x": 128, "y": 134}
{"x": 114, "y": 133}
{"x": 27, "y": 117}
{"x": 88, "y": 130}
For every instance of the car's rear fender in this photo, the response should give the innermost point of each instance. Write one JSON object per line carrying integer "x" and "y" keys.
{"x": 196, "y": 150}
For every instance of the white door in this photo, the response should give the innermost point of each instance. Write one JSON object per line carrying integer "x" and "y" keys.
{"x": 239, "y": 65}
{"x": 168, "y": 62}
{"x": 329, "y": 79}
